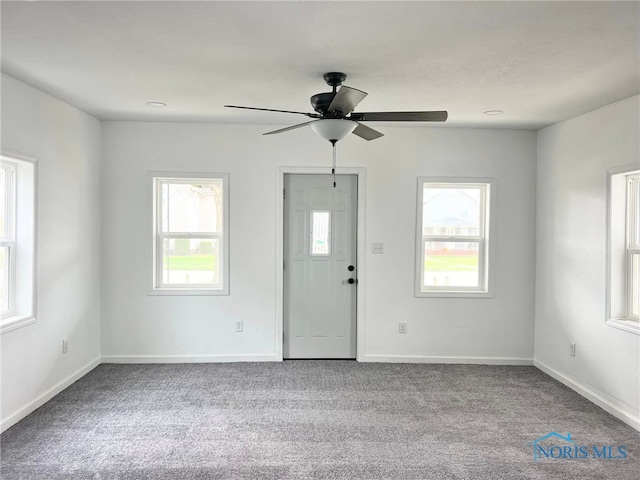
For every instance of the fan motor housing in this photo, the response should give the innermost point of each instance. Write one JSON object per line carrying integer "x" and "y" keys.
{"x": 321, "y": 101}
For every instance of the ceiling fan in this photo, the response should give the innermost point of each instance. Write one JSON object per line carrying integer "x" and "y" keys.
{"x": 335, "y": 119}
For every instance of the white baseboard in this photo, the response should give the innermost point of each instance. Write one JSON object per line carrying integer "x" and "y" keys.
{"x": 48, "y": 395}
{"x": 604, "y": 401}
{"x": 190, "y": 358}
{"x": 443, "y": 359}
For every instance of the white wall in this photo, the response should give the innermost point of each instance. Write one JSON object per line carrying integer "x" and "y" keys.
{"x": 66, "y": 143}
{"x": 139, "y": 327}
{"x": 573, "y": 158}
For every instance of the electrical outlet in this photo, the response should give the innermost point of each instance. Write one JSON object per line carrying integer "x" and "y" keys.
{"x": 402, "y": 327}
{"x": 572, "y": 349}
{"x": 238, "y": 325}
{"x": 65, "y": 346}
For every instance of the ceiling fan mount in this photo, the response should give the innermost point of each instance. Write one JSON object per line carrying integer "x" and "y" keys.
{"x": 339, "y": 105}
{"x": 334, "y": 79}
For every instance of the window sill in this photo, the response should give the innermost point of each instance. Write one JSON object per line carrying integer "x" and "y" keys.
{"x": 624, "y": 324}
{"x": 15, "y": 321}
{"x": 453, "y": 294}
{"x": 179, "y": 291}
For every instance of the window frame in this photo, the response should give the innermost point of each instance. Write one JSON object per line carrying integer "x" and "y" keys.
{"x": 157, "y": 179}
{"x": 22, "y": 212}
{"x": 485, "y": 289}
{"x": 623, "y": 214}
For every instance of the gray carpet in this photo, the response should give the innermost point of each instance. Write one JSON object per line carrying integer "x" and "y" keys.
{"x": 312, "y": 420}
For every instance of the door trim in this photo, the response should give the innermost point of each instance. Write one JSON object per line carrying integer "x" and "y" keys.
{"x": 360, "y": 172}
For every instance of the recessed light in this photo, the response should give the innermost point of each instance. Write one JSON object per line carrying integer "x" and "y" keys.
{"x": 493, "y": 112}
{"x": 156, "y": 104}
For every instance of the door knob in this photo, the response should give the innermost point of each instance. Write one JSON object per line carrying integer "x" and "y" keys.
{"x": 351, "y": 281}
{"x": 351, "y": 268}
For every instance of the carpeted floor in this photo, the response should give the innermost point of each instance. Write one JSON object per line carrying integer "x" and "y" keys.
{"x": 313, "y": 420}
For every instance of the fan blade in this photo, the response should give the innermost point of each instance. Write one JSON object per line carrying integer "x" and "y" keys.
{"x": 312, "y": 115}
{"x": 367, "y": 133}
{"x": 440, "y": 116}
{"x": 292, "y": 127}
{"x": 346, "y": 100}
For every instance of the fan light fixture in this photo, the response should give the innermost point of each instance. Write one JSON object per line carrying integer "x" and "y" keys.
{"x": 333, "y": 129}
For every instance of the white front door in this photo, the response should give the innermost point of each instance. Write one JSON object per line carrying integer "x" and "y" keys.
{"x": 320, "y": 266}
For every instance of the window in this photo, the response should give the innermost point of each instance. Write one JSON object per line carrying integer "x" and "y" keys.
{"x": 623, "y": 248}
{"x": 633, "y": 246}
{"x": 17, "y": 241}
{"x": 191, "y": 247}
{"x": 452, "y": 244}
{"x": 8, "y": 235}
{"x": 320, "y": 233}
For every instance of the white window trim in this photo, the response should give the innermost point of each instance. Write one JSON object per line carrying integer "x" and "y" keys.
{"x": 24, "y": 311}
{"x": 620, "y": 320}
{"x": 486, "y": 240}
{"x": 157, "y": 237}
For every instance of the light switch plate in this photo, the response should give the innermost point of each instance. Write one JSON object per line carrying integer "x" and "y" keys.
{"x": 377, "y": 247}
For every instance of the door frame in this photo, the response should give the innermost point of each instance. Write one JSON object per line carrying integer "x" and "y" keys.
{"x": 360, "y": 173}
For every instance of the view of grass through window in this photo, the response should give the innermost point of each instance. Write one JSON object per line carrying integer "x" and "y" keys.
{"x": 190, "y": 261}
{"x": 451, "y": 264}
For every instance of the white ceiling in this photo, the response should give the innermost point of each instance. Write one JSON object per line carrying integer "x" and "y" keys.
{"x": 540, "y": 62}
